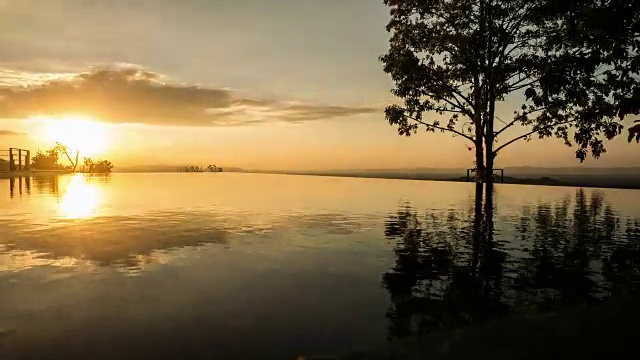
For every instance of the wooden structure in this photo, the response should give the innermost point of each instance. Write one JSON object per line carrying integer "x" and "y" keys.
{"x": 469, "y": 171}
{"x": 15, "y": 159}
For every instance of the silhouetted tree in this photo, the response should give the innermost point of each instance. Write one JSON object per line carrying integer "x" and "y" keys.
{"x": 603, "y": 34}
{"x": 103, "y": 166}
{"x": 69, "y": 154}
{"x": 47, "y": 160}
{"x": 191, "y": 168}
{"x": 97, "y": 167}
{"x": 461, "y": 58}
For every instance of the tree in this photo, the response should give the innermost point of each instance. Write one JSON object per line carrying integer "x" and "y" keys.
{"x": 103, "y": 167}
{"x": 68, "y": 153}
{"x": 608, "y": 33}
{"x": 213, "y": 168}
{"x": 457, "y": 60}
{"x": 47, "y": 160}
{"x": 98, "y": 167}
{"x": 88, "y": 165}
{"x": 191, "y": 168}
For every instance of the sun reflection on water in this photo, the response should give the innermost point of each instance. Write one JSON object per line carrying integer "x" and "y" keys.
{"x": 81, "y": 198}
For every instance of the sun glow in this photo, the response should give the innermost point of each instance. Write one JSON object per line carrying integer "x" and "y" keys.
{"x": 79, "y": 133}
{"x": 81, "y": 198}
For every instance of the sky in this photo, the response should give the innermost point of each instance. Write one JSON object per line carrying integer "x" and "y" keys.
{"x": 278, "y": 84}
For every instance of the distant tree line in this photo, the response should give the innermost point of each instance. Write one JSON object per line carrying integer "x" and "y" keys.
{"x": 195, "y": 168}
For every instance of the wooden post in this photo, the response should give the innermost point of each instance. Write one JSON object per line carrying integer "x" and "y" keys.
{"x": 20, "y": 162}
{"x": 12, "y": 163}
{"x": 27, "y": 161}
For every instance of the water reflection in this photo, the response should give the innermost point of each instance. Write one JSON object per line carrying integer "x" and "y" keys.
{"x": 453, "y": 268}
{"x": 125, "y": 243}
{"x": 19, "y": 181}
{"x": 80, "y": 199}
{"x": 47, "y": 184}
{"x": 75, "y": 225}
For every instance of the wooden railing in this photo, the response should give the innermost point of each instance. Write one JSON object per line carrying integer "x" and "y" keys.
{"x": 15, "y": 159}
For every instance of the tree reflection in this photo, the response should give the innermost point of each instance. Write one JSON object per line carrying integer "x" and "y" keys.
{"x": 452, "y": 269}
{"x": 448, "y": 268}
{"x": 47, "y": 184}
{"x": 567, "y": 248}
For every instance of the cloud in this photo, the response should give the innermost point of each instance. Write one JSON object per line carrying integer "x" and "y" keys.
{"x": 135, "y": 95}
{"x": 11, "y": 133}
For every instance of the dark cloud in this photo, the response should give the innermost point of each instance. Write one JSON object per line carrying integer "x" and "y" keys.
{"x": 11, "y": 133}
{"x": 134, "y": 95}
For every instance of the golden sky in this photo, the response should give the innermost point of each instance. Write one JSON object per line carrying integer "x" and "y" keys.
{"x": 278, "y": 84}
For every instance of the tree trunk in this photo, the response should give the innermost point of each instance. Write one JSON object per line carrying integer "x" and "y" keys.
{"x": 75, "y": 165}
{"x": 68, "y": 158}
{"x": 480, "y": 170}
{"x": 489, "y": 162}
{"x": 489, "y": 137}
{"x": 489, "y": 261}
{"x": 478, "y": 223}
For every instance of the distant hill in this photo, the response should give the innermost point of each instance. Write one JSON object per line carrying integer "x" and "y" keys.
{"x": 627, "y": 178}
{"x": 619, "y": 177}
{"x": 516, "y": 170}
{"x": 572, "y": 170}
{"x": 158, "y": 168}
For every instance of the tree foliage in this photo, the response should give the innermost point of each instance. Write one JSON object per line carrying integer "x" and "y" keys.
{"x": 69, "y": 154}
{"x": 213, "y": 168}
{"x": 195, "y": 168}
{"x": 96, "y": 166}
{"x": 191, "y": 169}
{"x": 46, "y": 160}
{"x": 634, "y": 132}
{"x": 454, "y": 61}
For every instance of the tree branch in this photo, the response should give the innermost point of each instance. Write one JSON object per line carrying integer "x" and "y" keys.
{"x": 443, "y": 129}
{"x": 513, "y": 87}
{"x": 495, "y": 152}
{"x": 515, "y": 120}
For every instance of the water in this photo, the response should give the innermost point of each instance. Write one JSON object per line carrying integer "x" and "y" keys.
{"x": 232, "y": 266}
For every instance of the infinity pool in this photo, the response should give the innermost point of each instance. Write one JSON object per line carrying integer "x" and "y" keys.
{"x": 235, "y": 266}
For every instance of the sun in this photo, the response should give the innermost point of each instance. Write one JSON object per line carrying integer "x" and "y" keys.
{"x": 79, "y": 133}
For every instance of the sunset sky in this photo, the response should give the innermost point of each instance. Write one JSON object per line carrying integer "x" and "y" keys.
{"x": 277, "y": 84}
